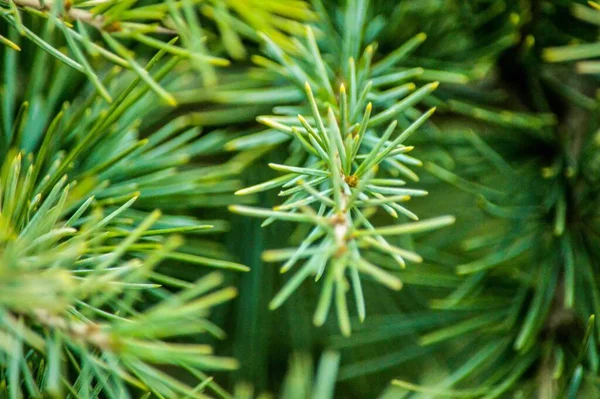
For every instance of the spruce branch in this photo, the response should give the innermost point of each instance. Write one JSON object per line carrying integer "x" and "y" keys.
{"x": 148, "y": 24}
{"x": 81, "y": 244}
{"x": 519, "y": 282}
{"x": 336, "y": 187}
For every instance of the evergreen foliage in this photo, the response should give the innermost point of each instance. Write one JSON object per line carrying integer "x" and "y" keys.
{"x": 433, "y": 165}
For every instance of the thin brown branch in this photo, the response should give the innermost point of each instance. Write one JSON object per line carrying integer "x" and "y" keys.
{"x": 72, "y": 13}
{"x": 89, "y": 333}
{"x": 79, "y": 14}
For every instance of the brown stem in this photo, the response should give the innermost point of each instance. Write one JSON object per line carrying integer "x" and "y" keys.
{"x": 78, "y": 14}
{"x": 89, "y": 333}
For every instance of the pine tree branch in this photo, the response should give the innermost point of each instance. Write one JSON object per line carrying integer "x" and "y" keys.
{"x": 348, "y": 155}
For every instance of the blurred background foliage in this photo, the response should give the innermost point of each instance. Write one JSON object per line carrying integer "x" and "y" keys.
{"x": 502, "y": 304}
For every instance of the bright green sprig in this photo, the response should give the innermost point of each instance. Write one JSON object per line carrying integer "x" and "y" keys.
{"x": 80, "y": 240}
{"x": 71, "y": 289}
{"x": 348, "y": 139}
{"x": 336, "y": 191}
{"x": 150, "y": 24}
{"x": 111, "y": 20}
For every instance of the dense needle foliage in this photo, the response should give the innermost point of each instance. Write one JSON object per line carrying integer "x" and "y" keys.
{"x": 300, "y": 198}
